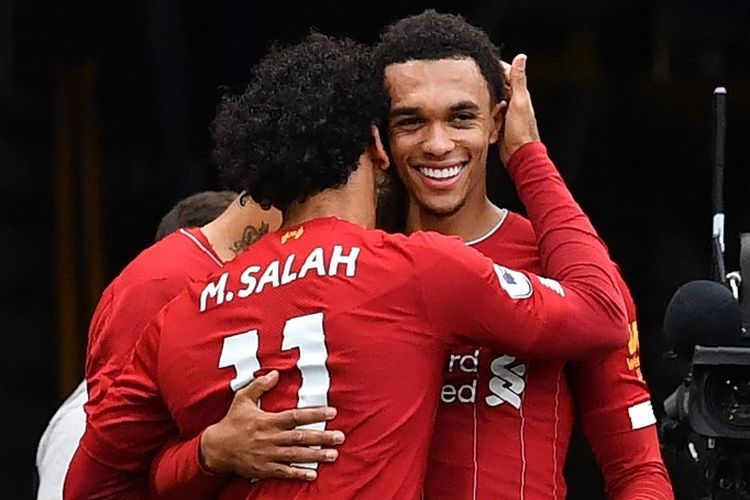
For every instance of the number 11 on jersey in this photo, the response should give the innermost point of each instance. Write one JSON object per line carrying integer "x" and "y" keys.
{"x": 303, "y": 332}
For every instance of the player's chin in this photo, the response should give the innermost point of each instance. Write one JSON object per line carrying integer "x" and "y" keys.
{"x": 442, "y": 206}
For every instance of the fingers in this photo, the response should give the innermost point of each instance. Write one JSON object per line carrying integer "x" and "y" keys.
{"x": 255, "y": 389}
{"x": 505, "y": 67}
{"x": 283, "y": 471}
{"x": 281, "y": 460}
{"x": 301, "y": 455}
{"x": 306, "y": 437}
{"x": 519, "y": 124}
{"x": 518, "y": 72}
{"x": 506, "y": 70}
{"x": 519, "y": 92}
{"x": 290, "y": 419}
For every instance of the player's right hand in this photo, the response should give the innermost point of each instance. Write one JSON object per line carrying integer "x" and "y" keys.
{"x": 258, "y": 445}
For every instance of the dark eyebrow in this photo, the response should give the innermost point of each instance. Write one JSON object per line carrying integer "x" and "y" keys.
{"x": 413, "y": 110}
{"x": 403, "y": 111}
{"x": 465, "y": 106}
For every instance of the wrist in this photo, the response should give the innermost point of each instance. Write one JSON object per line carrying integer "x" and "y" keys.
{"x": 522, "y": 152}
{"x": 209, "y": 460}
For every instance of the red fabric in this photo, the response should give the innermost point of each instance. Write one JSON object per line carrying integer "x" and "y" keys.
{"x": 103, "y": 484}
{"x": 151, "y": 280}
{"x": 177, "y": 473}
{"x": 513, "y": 444}
{"x": 632, "y": 465}
{"x": 385, "y": 320}
{"x": 148, "y": 283}
{"x": 627, "y": 448}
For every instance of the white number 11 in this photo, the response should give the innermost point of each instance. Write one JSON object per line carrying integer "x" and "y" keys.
{"x": 304, "y": 332}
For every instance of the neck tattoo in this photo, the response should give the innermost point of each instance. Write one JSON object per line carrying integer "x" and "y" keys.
{"x": 250, "y": 235}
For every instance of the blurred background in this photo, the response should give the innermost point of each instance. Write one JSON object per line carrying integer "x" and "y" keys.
{"x": 104, "y": 116}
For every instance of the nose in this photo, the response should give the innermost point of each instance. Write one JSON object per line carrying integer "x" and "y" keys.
{"x": 437, "y": 142}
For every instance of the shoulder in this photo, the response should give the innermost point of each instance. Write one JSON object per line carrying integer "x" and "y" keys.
{"x": 512, "y": 243}
{"x": 427, "y": 241}
{"x": 422, "y": 248}
{"x": 444, "y": 256}
{"x": 627, "y": 296}
{"x": 156, "y": 276}
{"x": 176, "y": 258}
{"x": 517, "y": 227}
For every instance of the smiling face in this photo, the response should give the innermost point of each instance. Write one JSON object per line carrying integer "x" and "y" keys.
{"x": 440, "y": 125}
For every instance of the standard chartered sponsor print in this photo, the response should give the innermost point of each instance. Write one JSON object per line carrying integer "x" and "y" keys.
{"x": 506, "y": 382}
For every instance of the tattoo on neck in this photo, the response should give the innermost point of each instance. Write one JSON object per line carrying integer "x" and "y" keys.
{"x": 250, "y": 235}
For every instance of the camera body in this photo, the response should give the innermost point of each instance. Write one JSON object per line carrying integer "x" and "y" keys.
{"x": 708, "y": 416}
{"x": 717, "y": 400}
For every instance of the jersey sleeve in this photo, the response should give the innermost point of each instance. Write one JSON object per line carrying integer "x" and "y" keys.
{"x": 122, "y": 315}
{"x": 477, "y": 302}
{"x": 96, "y": 357}
{"x": 176, "y": 472}
{"x": 614, "y": 404}
{"x": 124, "y": 431}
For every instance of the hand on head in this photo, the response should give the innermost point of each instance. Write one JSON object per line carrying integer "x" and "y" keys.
{"x": 506, "y": 78}
{"x": 520, "y": 126}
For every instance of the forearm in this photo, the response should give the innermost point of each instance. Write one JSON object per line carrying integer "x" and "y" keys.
{"x": 632, "y": 465}
{"x": 92, "y": 480}
{"x": 559, "y": 223}
{"x": 177, "y": 473}
{"x": 571, "y": 252}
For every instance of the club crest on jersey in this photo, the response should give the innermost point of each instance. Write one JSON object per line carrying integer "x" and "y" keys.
{"x": 294, "y": 233}
{"x": 515, "y": 283}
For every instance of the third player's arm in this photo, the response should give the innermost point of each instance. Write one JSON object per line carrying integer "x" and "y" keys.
{"x": 614, "y": 404}
{"x": 123, "y": 432}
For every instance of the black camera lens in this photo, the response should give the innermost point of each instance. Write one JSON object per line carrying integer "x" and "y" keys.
{"x": 728, "y": 395}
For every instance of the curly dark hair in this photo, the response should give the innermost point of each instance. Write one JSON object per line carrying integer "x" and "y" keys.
{"x": 432, "y": 36}
{"x": 301, "y": 124}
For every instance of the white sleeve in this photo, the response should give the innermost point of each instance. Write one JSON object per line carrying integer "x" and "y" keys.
{"x": 58, "y": 444}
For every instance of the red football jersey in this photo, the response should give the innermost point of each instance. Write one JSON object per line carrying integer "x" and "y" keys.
{"x": 358, "y": 320}
{"x": 134, "y": 297}
{"x": 504, "y": 423}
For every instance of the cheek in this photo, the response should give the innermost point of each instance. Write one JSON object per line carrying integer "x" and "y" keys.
{"x": 478, "y": 147}
{"x": 401, "y": 147}
{"x": 397, "y": 157}
{"x": 479, "y": 142}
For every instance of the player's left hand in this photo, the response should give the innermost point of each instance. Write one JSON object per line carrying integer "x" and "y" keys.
{"x": 257, "y": 445}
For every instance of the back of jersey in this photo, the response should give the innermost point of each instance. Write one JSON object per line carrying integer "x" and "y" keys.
{"x": 336, "y": 310}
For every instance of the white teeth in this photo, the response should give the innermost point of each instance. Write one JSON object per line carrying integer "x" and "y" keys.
{"x": 441, "y": 173}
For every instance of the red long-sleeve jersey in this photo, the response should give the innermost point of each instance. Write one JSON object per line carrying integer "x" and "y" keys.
{"x": 504, "y": 422}
{"x": 134, "y": 297}
{"x": 612, "y": 400}
{"x": 359, "y": 320}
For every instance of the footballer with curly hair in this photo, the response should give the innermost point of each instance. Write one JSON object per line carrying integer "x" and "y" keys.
{"x": 333, "y": 312}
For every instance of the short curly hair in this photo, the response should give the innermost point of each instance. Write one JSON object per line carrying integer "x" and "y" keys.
{"x": 431, "y": 36}
{"x": 301, "y": 124}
